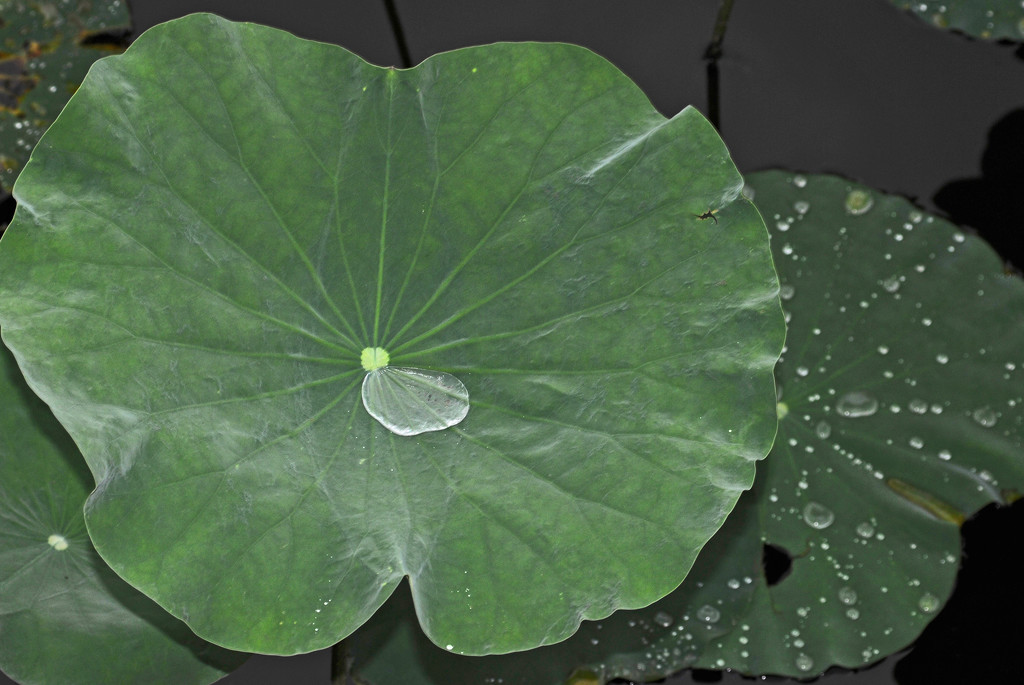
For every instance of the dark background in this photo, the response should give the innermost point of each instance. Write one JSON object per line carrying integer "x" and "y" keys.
{"x": 856, "y": 88}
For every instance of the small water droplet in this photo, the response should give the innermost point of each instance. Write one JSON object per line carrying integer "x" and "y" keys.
{"x": 984, "y": 416}
{"x": 945, "y": 455}
{"x": 800, "y": 181}
{"x": 733, "y": 583}
{"x": 891, "y": 284}
{"x": 858, "y": 202}
{"x": 804, "y": 663}
{"x": 865, "y": 529}
{"x": 916, "y": 443}
{"x": 847, "y": 595}
{"x": 818, "y": 515}
{"x": 449, "y": 647}
{"x": 941, "y": 358}
{"x": 708, "y": 614}
{"x": 918, "y": 406}
{"x": 663, "y": 619}
{"x": 786, "y": 292}
{"x": 928, "y": 603}
{"x": 58, "y": 542}
{"x": 823, "y": 430}
{"x": 852, "y": 614}
{"x": 801, "y": 206}
{"x": 856, "y": 404}
{"x": 782, "y": 225}
{"x": 802, "y": 371}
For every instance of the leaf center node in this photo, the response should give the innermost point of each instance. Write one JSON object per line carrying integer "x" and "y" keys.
{"x": 374, "y": 358}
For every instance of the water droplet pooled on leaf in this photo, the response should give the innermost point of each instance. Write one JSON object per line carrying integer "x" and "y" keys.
{"x": 891, "y": 284}
{"x": 804, "y": 662}
{"x": 847, "y": 595}
{"x": 858, "y": 202}
{"x": 984, "y": 416}
{"x": 708, "y": 614}
{"x": 928, "y": 603}
{"x": 663, "y": 619}
{"x": 411, "y": 401}
{"x": 856, "y": 404}
{"x": 818, "y": 515}
{"x": 823, "y": 430}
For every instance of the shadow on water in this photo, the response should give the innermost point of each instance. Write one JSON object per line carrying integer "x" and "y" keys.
{"x": 970, "y": 640}
{"x": 993, "y": 203}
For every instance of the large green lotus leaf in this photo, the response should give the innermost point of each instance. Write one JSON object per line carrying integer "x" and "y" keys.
{"x": 902, "y": 409}
{"x": 228, "y": 226}
{"x": 65, "y": 617}
{"x": 989, "y": 19}
{"x": 46, "y": 47}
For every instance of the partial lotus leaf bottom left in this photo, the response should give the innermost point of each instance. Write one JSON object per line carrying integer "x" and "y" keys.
{"x": 64, "y": 615}
{"x": 339, "y": 325}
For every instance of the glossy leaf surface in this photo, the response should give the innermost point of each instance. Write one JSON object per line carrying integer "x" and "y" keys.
{"x": 65, "y": 617}
{"x": 902, "y": 408}
{"x": 989, "y": 19}
{"x": 45, "y": 50}
{"x": 231, "y": 216}
{"x": 901, "y": 413}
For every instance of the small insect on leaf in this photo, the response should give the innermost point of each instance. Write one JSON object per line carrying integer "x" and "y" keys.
{"x": 710, "y": 214}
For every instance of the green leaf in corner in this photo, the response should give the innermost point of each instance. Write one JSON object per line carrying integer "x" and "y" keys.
{"x": 64, "y": 615}
{"x": 241, "y": 225}
{"x": 45, "y": 50}
{"x": 988, "y": 19}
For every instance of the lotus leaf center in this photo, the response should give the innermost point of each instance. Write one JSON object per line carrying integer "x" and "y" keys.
{"x": 374, "y": 358}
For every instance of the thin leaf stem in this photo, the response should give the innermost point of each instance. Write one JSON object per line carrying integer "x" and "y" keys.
{"x": 396, "y": 28}
{"x": 339, "y": 664}
{"x": 712, "y": 55}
